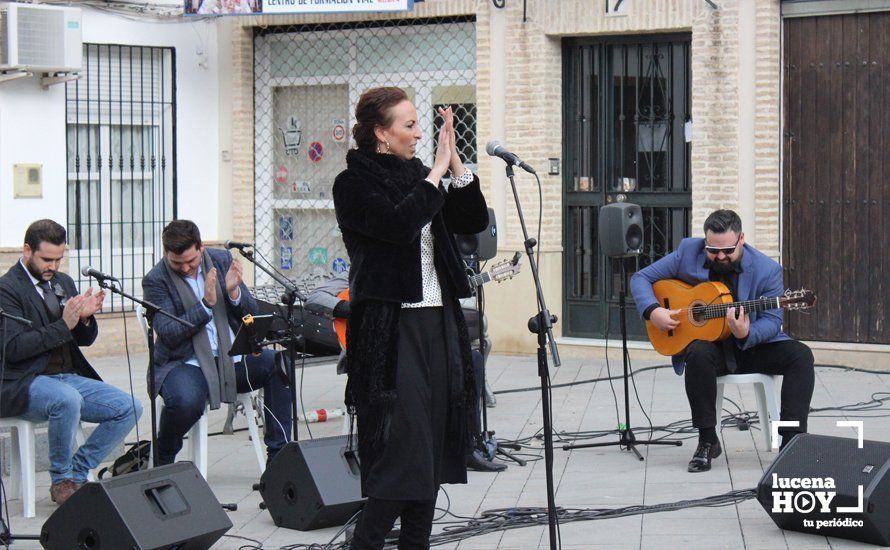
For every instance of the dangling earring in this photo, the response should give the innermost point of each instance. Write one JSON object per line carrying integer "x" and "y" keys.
{"x": 388, "y": 149}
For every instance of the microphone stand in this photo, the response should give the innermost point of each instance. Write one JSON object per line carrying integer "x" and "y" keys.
{"x": 6, "y": 536}
{"x": 150, "y": 310}
{"x": 291, "y": 294}
{"x": 22, "y": 320}
{"x": 542, "y": 325}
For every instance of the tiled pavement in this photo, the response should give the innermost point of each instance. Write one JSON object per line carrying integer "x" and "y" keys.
{"x": 585, "y": 478}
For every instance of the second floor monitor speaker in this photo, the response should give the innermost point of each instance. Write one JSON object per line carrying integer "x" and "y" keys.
{"x": 621, "y": 229}
{"x": 165, "y": 507}
{"x": 312, "y": 484}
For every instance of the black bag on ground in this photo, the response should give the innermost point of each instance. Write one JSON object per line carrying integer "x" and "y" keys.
{"x": 133, "y": 460}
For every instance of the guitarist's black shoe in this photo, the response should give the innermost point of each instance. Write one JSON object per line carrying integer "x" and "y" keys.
{"x": 701, "y": 460}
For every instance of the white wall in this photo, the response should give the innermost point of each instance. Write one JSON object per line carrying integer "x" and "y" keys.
{"x": 32, "y": 125}
{"x": 32, "y": 130}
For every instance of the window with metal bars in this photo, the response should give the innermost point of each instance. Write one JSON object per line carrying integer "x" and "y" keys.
{"x": 308, "y": 79}
{"x": 121, "y": 165}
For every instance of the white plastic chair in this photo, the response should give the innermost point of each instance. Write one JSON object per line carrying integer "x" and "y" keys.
{"x": 195, "y": 446}
{"x": 766, "y": 391}
{"x": 197, "y": 435}
{"x": 23, "y": 461}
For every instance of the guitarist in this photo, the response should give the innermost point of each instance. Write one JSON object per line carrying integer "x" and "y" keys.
{"x": 757, "y": 343}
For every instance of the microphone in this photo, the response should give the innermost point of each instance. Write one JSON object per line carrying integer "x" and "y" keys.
{"x": 495, "y": 149}
{"x": 88, "y": 271}
{"x": 239, "y": 245}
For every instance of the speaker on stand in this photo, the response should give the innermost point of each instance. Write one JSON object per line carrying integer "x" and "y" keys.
{"x": 621, "y": 229}
{"x": 621, "y": 236}
{"x": 480, "y": 246}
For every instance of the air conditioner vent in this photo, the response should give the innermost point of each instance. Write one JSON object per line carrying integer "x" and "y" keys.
{"x": 40, "y": 38}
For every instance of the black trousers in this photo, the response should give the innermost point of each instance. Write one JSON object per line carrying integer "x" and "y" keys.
{"x": 417, "y": 455}
{"x": 379, "y": 515}
{"x": 705, "y": 362}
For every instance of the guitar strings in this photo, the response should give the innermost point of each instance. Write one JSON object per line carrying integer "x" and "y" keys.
{"x": 714, "y": 311}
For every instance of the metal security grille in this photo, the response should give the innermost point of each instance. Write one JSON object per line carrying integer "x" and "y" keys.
{"x": 627, "y": 111}
{"x": 120, "y": 122}
{"x": 308, "y": 80}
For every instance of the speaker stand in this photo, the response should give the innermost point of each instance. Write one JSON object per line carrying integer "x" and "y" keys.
{"x": 626, "y": 438}
{"x": 488, "y": 439}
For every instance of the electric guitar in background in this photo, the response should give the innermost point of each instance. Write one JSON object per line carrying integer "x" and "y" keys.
{"x": 501, "y": 271}
{"x": 703, "y": 311}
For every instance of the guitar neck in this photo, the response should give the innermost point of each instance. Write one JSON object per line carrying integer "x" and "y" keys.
{"x": 761, "y": 304}
{"x": 481, "y": 279}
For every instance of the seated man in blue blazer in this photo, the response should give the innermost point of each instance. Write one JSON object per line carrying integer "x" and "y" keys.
{"x": 757, "y": 343}
{"x": 192, "y": 366}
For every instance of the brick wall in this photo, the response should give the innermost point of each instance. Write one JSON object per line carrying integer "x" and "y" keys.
{"x": 768, "y": 127}
{"x": 242, "y": 132}
{"x": 714, "y": 112}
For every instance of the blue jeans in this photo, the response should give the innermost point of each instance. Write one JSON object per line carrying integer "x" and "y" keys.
{"x": 184, "y": 392}
{"x": 66, "y": 399}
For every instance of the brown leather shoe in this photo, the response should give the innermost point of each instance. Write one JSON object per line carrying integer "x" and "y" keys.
{"x": 62, "y": 491}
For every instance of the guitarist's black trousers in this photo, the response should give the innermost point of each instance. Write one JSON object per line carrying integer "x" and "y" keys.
{"x": 705, "y": 361}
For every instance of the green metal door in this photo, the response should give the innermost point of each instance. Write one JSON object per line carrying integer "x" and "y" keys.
{"x": 627, "y": 137}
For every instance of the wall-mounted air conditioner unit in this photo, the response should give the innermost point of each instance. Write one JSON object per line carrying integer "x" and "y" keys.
{"x": 39, "y": 38}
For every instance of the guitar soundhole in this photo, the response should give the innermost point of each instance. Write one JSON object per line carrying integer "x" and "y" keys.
{"x": 697, "y": 314}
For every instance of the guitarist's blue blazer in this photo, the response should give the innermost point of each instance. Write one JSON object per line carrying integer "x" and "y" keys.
{"x": 760, "y": 277}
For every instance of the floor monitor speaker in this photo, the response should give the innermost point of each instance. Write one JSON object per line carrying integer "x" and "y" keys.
{"x": 312, "y": 484}
{"x": 158, "y": 509}
{"x": 829, "y": 486}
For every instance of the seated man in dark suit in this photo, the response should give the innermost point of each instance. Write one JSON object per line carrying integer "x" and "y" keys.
{"x": 46, "y": 376}
{"x": 193, "y": 366}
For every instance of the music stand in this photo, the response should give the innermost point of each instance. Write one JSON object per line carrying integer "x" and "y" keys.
{"x": 251, "y": 336}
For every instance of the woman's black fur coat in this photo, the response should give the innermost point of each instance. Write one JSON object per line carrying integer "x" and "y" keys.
{"x": 382, "y": 203}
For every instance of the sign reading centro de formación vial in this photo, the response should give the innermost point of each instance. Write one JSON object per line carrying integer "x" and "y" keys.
{"x": 267, "y": 7}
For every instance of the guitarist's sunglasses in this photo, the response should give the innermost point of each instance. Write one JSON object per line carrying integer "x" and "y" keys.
{"x": 715, "y": 250}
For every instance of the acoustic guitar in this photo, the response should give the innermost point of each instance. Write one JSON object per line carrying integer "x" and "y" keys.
{"x": 499, "y": 272}
{"x": 703, "y": 311}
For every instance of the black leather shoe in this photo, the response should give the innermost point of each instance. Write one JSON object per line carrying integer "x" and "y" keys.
{"x": 704, "y": 453}
{"x": 477, "y": 462}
